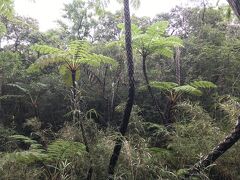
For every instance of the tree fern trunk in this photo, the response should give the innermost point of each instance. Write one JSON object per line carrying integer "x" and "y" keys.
{"x": 157, "y": 106}
{"x": 168, "y": 112}
{"x": 178, "y": 66}
{"x": 219, "y": 150}
{"x": 1, "y": 84}
{"x": 77, "y": 115}
{"x": 235, "y": 5}
{"x": 131, "y": 92}
{"x": 74, "y": 84}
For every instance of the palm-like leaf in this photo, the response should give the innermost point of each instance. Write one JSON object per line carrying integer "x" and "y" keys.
{"x": 188, "y": 89}
{"x": 166, "y": 86}
{"x": 77, "y": 52}
{"x": 203, "y": 84}
{"x": 193, "y": 88}
{"x": 44, "y": 49}
{"x": 19, "y": 87}
{"x": 57, "y": 150}
{"x": 154, "y": 40}
{"x": 157, "y": 29}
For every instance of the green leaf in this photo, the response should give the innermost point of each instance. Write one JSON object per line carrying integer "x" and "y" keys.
{"x": 44, "y": 49}
{"x": 158, "y": 28}
{"x": 61, "y": 149}
{"x": 166, "y": 86}
{"x": 188, "y": 89}
{"x": 24, "y": 90}
{"x": 203, "y": 84}
{"x": 7, "y": 97}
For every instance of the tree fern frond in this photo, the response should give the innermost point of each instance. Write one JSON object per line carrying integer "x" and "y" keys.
{"x": 23, "y": 138}
{"x": 158, "y": 28}
{"x": 105, "y": 60}
{"x": 7, "y": 97}
{"x": 44, "y": 49}
{"x": 22, "y": 89}
{"x": 61, "y": 149}
{"x": 166, "y": 86}
{"x": 165, "y": 51}
{"x": 78, "y": 48}
{"x": 203, "y": 84}
{"x": 188, "y": 89}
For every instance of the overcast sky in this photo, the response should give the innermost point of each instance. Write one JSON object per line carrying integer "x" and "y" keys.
{"x": 48, "y": 11}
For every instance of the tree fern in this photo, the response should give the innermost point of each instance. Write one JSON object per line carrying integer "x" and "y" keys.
{"x": 61, "y": 149}
{"x": 154, "y": 40}
{"x": 188, "y": 89}
{"x": 193, "y": 88}
{"x": 76, "y": 53}
{"x": 203, "y": 84}
{"x": 57, "y": 150}
{"x": 163, "y": 85}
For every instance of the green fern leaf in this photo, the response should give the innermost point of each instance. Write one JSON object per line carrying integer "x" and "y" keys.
{"x": 166, "y": 86}
{"x": 203, "y": 84}
{"x": 188, "y": 89}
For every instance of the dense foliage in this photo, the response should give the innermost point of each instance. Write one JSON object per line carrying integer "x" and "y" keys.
{"x": 63, "y": 93}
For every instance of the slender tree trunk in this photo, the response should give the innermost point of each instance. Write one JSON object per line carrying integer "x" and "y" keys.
{"x": 178, "y": 65}
{"x": 85, "y": 141}
{"x": 77, "y": 115}
{"x": 235, "y": 5}
{"x": 115, "y": 87}
{"x": 36, "y": 112}
{"x": 168, "y": 111}
{"x": 74, "y": 92}
{"x": 106, "y": 99}
{"x": 131, "y": 92}
{"x": 74, "y": 84}
{"x": 1, "y": 83}
{"x": 157, "y": 106}
{"x": 219, "y": 150}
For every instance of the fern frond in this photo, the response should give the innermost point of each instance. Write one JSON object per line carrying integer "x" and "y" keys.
{"x": 158, "y": 28}
{"x": 188, "y": 89}
{"x": 23, "y": 138}
{"x": 7, "y": 97}
{"x": 203, "y": 84}
{"x": 44, "y": 49}
{"x": 166, "y": 86}
{"x": 165, "y": 51}
{"x": 105, "y": 60}
{"x": 22, "y": 89}
{"x": 61, "y": 149}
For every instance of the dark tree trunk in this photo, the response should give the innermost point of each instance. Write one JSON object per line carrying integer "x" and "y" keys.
{"x": 85, "y": 141}
{"x": 235, "y": 5}
{"x": 219, "y": 150}
{"x": 36, "y": 112}
{"x": 157, "y": 106}
{"x": 131, "y": 92}
{"x": 168, "y": 112}
{"x": 1, "y": 84}
{"x": 74, "y": 84}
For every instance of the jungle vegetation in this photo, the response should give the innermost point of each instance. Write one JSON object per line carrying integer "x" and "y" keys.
{"x": 115, "y": 96}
